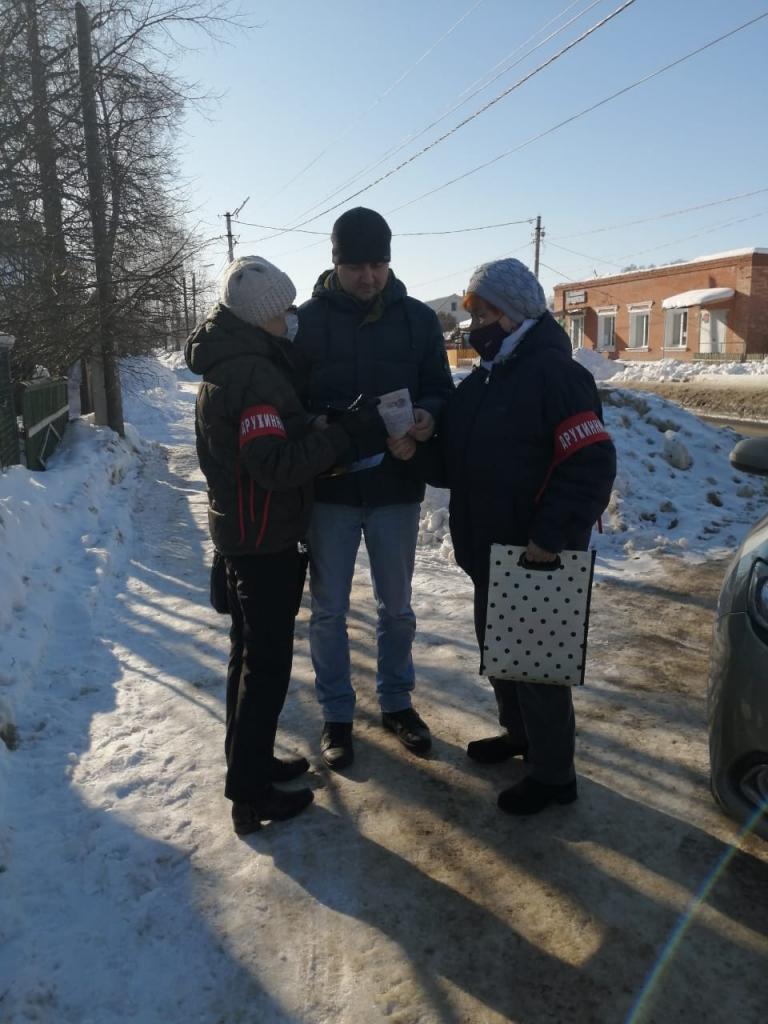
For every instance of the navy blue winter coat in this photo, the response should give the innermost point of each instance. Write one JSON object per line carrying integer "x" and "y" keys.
{"x": 354, "y": 350}
{"x": 497, "y": 440}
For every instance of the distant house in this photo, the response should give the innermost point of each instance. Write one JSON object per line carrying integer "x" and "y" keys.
{"x": 714, "y": 307}
{"x": 448, "y": 304}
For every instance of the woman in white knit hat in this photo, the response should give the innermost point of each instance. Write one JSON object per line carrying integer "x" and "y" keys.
{"x": 495, "y": 448}
{"x": 260, "y": 455}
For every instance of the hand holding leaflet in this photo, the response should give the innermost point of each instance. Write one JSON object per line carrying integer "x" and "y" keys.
{"x": 396, "y": 409}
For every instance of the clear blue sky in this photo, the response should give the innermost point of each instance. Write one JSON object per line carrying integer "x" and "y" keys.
{"x": 314, "y": 75}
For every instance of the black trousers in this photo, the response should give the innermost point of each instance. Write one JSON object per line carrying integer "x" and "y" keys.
{"x": 534, "y": 713}
{"x": 264, "y": 593}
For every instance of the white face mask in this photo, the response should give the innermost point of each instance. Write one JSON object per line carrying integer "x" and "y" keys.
{"x": 291, "y": 325}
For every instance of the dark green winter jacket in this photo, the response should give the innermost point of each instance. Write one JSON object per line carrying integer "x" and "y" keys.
{"x": 352, "y": 349}
{"x": 255, "y": 444}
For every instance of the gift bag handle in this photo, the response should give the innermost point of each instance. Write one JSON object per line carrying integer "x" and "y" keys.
{"x": 523, "y": 563}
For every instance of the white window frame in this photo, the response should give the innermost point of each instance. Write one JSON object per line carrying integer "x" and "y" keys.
{"x": 638, "y": 309}
{"x": 681, "y": 332}
{"x": 571, "y": 318}
{"x": 605, "y": 313}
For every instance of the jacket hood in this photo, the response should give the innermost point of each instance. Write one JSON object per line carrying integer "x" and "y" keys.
{"x": 394, "y": 291}
{"x": 224, "y": 336}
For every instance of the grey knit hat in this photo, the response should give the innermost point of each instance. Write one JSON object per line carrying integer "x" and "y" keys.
{"x": 511, "y": 287}
{"x": 255, "y": 290}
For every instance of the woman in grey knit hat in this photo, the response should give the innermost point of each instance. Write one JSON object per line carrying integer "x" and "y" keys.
{"x": 494, "y": 449}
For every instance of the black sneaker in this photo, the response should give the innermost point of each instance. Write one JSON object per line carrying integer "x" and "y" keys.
{"x": 289, "y": 769}
{"x": 530, "y": 796}
{"x": 495, "y": 749}
{"x": 273, "y": 805}
{"x": 336, "y": 745}
{"x": 412, "y": 732}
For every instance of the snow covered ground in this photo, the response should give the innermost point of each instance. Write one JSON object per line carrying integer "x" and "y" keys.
{"x": 752, "y": 373}
{"x": 399, "y": 896}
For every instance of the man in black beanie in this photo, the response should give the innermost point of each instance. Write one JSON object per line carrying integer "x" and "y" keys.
{"x": 363, "y": 335}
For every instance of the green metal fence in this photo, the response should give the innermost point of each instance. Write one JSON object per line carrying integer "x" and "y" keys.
{"x": 729, "y": 357}
{"x": 44, "y": 414}
{"x": 9, "y": 432}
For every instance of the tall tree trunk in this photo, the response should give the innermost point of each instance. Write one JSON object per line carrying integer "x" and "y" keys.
{"x": 54, "y": 249}
{"x": 95, "y": 165}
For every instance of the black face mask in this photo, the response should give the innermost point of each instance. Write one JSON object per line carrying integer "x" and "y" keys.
{"x": 486, "y": 341}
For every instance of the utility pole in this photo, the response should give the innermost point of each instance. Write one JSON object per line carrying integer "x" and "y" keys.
{"x": 229, "y": 216}
{"x": 229, "y": 236}
{"x": 194, "y": 300}
{"x": 95, "y": 170}
{"x": 538, "y": 234}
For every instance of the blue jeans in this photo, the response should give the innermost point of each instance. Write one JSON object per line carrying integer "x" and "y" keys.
{"x": 390, "y": 534}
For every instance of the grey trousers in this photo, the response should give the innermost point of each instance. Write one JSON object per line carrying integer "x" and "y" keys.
{"x": 534, "y": 713}
{"x": 541, "y": 716}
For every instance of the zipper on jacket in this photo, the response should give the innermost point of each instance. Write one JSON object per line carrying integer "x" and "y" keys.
{"x": 264, "y": 518}
{"x": 240, "y": 512}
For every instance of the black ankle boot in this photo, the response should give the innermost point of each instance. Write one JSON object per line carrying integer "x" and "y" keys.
{"x": 272, "y": 805}
{"x": 495, "y": 749}
{"x": 530, "y": 796}
{"x": 336, "y": 745}
{"x": 289, "y": 769}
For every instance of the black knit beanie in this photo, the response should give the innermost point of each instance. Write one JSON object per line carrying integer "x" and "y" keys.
{"x": 361, "y": 236}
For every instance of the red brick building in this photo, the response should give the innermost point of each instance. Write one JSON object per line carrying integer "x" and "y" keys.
{"x": 715, "y": 307}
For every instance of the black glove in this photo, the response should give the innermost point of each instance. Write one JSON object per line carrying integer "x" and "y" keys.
{"x": 361, "y": 418}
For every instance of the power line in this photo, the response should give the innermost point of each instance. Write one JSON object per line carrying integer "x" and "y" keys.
{"x": 581, "y": 113}
{"x": 621, "y": 260}
{"x": 664, "y": 216}
{"x": 584, "y": 255}
{"x": 435, "y": 142}
{"x": 376, "y": 102}
{"x": 464, "y": 97}
{"x": 473, "y": 266}
{"x": 395, "y": 234}
{"x": 559, "y": 274}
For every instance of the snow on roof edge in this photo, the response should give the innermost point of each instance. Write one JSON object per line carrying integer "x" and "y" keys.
{"x": 754, "y": 251}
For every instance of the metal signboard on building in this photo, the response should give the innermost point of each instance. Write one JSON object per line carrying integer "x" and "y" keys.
{"x": 574, "y": 298}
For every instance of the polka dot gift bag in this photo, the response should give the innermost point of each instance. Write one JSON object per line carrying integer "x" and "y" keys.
{"x": 538, "y": 617}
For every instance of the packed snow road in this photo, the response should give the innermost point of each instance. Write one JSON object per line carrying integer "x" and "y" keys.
{"x": 402, "y": 895}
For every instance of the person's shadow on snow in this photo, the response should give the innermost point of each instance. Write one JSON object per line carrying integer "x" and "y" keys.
{"x": 621, "y": 870}
{"x": 443, "y": 933}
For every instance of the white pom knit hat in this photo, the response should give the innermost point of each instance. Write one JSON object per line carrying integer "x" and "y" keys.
{"x": 255, "y": 290}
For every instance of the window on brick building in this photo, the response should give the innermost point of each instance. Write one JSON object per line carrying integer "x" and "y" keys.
{"x": 576, "y": 330}
{"x": 639, "y": 324}
{"x": 676, "y": 328}
{"x": 606, "y": 329}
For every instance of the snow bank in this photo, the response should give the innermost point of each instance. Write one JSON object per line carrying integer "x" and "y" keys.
{"x": 657, "y": 370}
{"x": 600, "y": 367}
{"x": 77, "y": 512}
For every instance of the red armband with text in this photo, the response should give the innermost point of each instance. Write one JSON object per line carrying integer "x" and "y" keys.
{"x": 571, "y": 436}
{"x": 260, "y": 421}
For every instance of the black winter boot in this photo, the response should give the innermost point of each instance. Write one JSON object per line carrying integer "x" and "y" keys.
{"x": 336, "y": 745}
{"x": 495, "y": 749}
{"x": 289, "y": 769}
{"x": 530, "y": 796}
{"x": 272, "y": 805}
{"x": 409, "y": 728}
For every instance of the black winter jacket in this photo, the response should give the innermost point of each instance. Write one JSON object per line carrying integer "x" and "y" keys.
{"x": 497, "y": 440}
{"x": 352, "y": 351}
{"x": 255, "y": 444}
